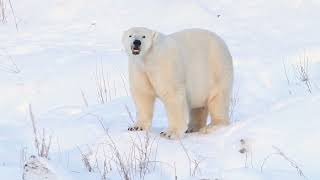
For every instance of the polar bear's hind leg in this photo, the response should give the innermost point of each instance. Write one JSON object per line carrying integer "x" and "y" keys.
{"x": 219, "y": 112}
{"x": 198, "y": 119}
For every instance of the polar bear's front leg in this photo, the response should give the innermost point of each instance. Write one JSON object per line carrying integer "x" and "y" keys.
{"x": 144, "y": 104}
{"x": 178, "y": 115}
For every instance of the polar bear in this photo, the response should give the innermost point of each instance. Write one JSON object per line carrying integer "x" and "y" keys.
{"x": 190, "y": 71}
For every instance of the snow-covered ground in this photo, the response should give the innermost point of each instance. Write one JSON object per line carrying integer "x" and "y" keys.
{"x": 63, "y": 48}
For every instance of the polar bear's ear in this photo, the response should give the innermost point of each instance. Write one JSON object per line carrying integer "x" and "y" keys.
{"x": 155, "y": 36}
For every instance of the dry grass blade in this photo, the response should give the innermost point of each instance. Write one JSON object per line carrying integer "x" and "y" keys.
{"x": 302, "y": 72}
{"x": 106, "y": 167}
{"x": 34, "y": 127}
{"x": 123, "y": 170}
{"x": 286, "y": 74}
{"x": 129, "y": 114}
{"x": 194, "y": 164}
{"x": 9, "y": 66}
{"x": 118, "y": 159}
{"x": 137, "y": 161}
{"x": 285, "y": 157}
{"x": 3, "y": 11}
{"x": 3, "y": 14}
{"x": 124, "y": 83}
{"x": 43, "y": 149}
{"x": 23, "y": 156}
{"x": 292, "y": 163}
{"x": 13, "y": 14}
{"x": 143, "y": 153}
{"x": 84, "y": 98}
{"x": 187, "y": 154}
{"x": 233, "y": 104}
{"x": 103, "y": 87}
{"x": 85, "y": 160}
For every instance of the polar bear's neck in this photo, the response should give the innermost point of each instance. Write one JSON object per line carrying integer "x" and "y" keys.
{"x": 138, "y": 62}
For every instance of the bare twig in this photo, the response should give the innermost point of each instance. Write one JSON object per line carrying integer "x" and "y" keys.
{"x": 43, "y": 149}
{"x": 10, "y": 66}
{"x": 3, "y": 11}
{"x": 187, "y": 154}
{"x": 106, "y": 167}
{"x": 233, "y": 104}
{"x": 85, "y": 101}
{"x": 193, "y": 163}
{"x": 245, "y": 148}
{"x": 302, "y": 72}
{"x": 23, "y": 156}
{"x": 99, "y": 86}
{"x": 3, "y": 14}
{"x": 114, "y": 89}
{"x": 138, "y": 160}
{"x": 286, "y": 74}
{"x": 13, "y": 14}
{"x": 103, "y": 84}
{"x": 109, "y": 88}
{"x": 85, "y": 160}
{"x": 123, "y": 170}
{"x": 285, "y": 157}
{"x": 118, "y": 159}
{"x": 129, "y": 113}
{"x": 124, "y": 83}
{"x": 175, "y": 171}
{"x": 34, "y": 127}
{"x": 144, "y": 151}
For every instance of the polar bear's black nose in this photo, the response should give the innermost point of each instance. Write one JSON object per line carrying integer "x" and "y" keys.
{"x": 137, "y": 42}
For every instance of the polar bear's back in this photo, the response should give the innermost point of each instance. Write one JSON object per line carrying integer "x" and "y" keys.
{"x": 200, "y": 43}
{"x": 197, "y": 45}
{"x": 207, "y": 62}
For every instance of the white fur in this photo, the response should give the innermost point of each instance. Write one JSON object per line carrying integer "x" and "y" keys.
{"x": 190, "y": 71}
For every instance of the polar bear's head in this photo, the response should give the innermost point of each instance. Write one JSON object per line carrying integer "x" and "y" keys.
{"x": 138, "y": 41}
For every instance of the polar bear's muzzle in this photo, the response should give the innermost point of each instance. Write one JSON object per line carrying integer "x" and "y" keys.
{"x": 135, "y": 50}
{"x": 136, "y": 47}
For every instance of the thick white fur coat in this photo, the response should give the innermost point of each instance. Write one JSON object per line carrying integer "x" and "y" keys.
{"x": 190, "y": 71}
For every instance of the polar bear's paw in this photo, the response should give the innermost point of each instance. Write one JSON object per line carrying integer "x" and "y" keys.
{"x": 139, "y": 126}
{"x": 171, "y": 134}
{"x": 135, "y": 128}
{"x": 192, "y": 129}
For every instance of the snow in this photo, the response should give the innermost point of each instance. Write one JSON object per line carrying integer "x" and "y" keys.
{"x": 52, "y": 62}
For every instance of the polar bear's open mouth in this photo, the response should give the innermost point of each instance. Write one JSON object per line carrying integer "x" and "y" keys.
{"x": 135, "y": 50}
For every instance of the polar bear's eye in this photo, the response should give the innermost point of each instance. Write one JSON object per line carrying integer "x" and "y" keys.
{"x": 143, "y": 36}
{"x": 130, "y": 35}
